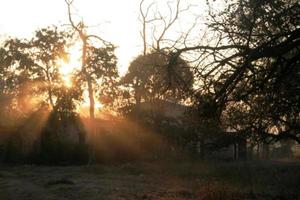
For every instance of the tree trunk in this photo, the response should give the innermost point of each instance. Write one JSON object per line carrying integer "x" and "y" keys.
{"x": 80, "y": 29}
{"x": 88, "y": 78}
{"x": 91, "y": 99}
{"x": 92, "y": 134}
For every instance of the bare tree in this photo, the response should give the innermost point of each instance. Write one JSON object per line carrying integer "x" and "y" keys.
{"x": 80, "y": 28}
{"x": 251, "y": 47}
{"x": 254, "y": 58}
{"x": 98, "y": 65}
{"x": 86, "y": 38}
{"x": 160, "y": 23}
{"x": 144, "y": 20}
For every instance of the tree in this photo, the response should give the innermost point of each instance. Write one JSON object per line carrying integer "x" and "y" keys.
{"x": 34, "y": 63}
{"x": 148, "y": 78}
{"x": 47, "y": 49}
{"x": 98, "y": 64}
{"x": 101, "y": 65}
{"x": 98, "y": 67}
{"x": 8, "y": 86}
{"x": 30, "y": 85}
{"x": 254, "y": 59}
{"x": 12, "y": 59}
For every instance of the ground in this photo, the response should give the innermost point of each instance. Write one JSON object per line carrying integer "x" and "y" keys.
{"x": 159, "y": 181}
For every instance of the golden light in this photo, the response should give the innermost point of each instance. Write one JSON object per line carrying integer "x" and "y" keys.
{"x": 83, "y": 108}
{"x": 98, "y": 105}
{"x": 67, "y": 69}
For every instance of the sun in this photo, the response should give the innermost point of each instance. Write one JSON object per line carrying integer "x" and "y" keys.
{"x": 67, "y": 68}
{"x": 66, "y": 71}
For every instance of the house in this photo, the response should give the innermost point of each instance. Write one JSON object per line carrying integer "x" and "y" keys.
{"x": 206, "y": 141}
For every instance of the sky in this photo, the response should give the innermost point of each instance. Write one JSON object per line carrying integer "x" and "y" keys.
{"x": 116, "y": 21}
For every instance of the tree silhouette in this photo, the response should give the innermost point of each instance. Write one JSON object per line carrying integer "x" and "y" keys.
{"x": 255, "y": 60}
{"x": 32, "y": 65}
{"x": 48, "y": 48}
{"x": 97, "y": 63}
{"x": 148, "y": 78}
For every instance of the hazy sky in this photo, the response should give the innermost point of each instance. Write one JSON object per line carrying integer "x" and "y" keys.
{"x": 114, "y": 20}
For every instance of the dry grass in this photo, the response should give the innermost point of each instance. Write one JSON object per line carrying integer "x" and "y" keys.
{"x": 162, "y": 181}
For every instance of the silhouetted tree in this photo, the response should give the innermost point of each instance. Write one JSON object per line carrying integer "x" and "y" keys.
{"x": 148, "y": 79}
{"x": 47, "y": 49}
{"x": 98, "y": 64}
{"x": 254, "y": 59}
{"x": 36, "y": 62}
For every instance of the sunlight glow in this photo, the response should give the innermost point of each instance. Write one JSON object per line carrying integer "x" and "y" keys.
{"x": 83, "y": 108}
{"x": 67, "y": 69}
{"x": 97, "y": 15}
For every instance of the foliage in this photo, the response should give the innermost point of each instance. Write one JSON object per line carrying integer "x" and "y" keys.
{"x": 33, "y": 64}
{"x": 252, "y": 61}
{"x": 269, "y": 80}
{"x": 148, "y": 78}
{"x": 101, "y": 65}
{"x": 243, "y": 84}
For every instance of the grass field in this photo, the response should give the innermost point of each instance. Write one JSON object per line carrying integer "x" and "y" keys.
{"x": 161, "y": 181}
